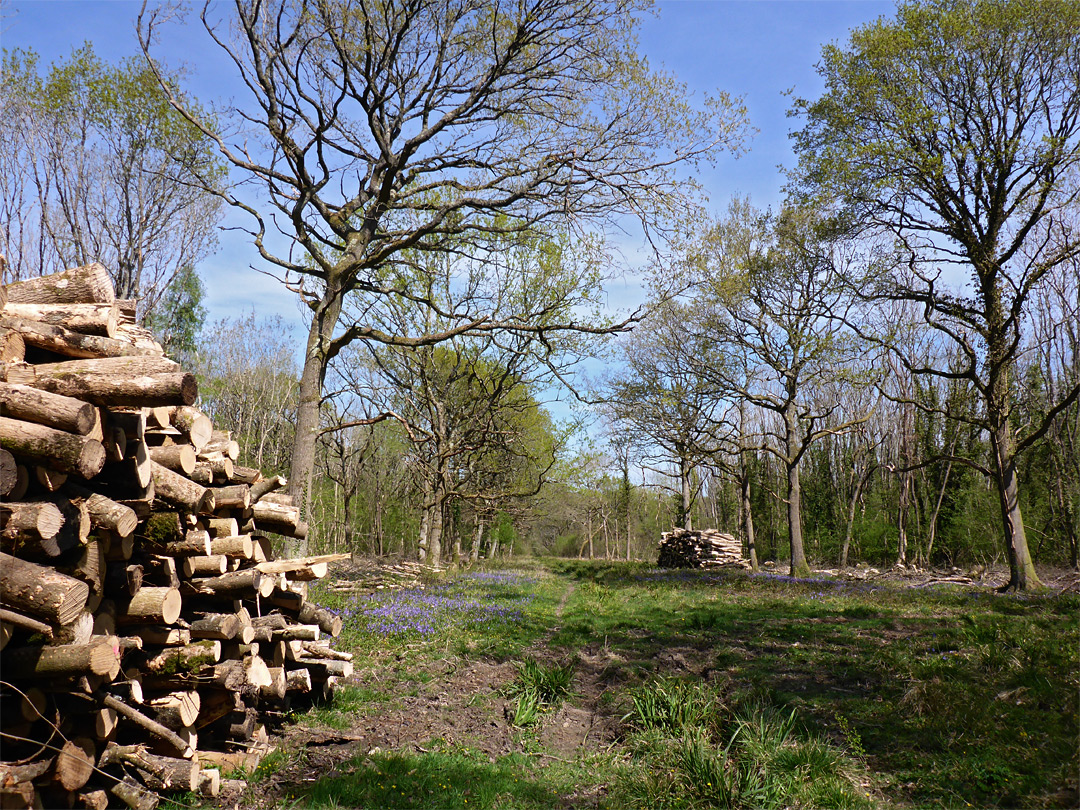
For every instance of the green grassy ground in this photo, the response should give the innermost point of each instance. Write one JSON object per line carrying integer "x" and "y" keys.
{"x": 725, "y": 690}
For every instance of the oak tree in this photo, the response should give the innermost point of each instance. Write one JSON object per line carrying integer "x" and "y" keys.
{"x": 955, "y": 129}
{"x": 372, "y": 129}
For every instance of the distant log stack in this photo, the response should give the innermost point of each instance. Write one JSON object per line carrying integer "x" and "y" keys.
{"x": 686, "y": 548}
{"x": 145, "y": 629}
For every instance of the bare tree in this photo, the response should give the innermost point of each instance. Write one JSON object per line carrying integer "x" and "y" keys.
{"x": 376, "y": 129}
{"x": 247, "y": 384}
{"x": 675, "y": 414}
{"x": 97, "y": 166}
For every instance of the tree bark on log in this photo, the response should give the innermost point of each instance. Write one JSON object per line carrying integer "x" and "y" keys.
{"x": 213, "y": 565}
{"x": 235, "y": 584}
{"x": 298, "y": 680}
{"x": 317, "y": 650}
{"x": 223, "y": 626}
{"x": 216, "y": 703}
{"x": 329, "y": 623}
{"x": 261, "y": 488}
{"x": 194, "y": 424}
{"x": 165, "y": 773}
{"x": 222, "y": 442}
{"x": 134, "y": 795}
{"x": 217, "y": 469}
{"x": 106, "y": 513}
{"x": 181, "y": 491}
{"x": 176, "y": 710}
{"x": 89, "y": 284}
{"x": 52, "y": 410}
{"x": 237, "y": 496}
{"x": 245, "y": 475}
{"x": 16, "y": 619}
{"x": 10, "y": 772}
{"x": 54, "y": 448}
{"x": 277, "y": 518}
{"x": 64, "y": 660}
{"x": 160, "y": 636}
{"x": 142, "y": 365}
{"x": 38, "y": 518}
{"x": 90, "y": 319}
{"x": 41, "y": 591}
{"x": 176, "y": 388}
{"x": 154, "y": 604}
{"x": 179, "y": 458}
{"x": 222, "y": 527}
{"x": 67, "y": 343}
{"x": 189, "y": 658}
{"x": 240, "y": 546}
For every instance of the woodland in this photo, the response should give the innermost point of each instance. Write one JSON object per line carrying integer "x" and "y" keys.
{"x": 883, "y": 371}
{"x": 405, "y": 553}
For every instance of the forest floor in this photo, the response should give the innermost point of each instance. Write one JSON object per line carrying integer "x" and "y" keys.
{"x": 571, "y": 684}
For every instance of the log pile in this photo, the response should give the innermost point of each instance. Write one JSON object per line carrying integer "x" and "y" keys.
{"x": 686, "y": 548}
{"x": 146, "y": 632}
{"x": 369, "y": 575}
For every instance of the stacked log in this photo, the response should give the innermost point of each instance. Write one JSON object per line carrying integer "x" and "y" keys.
{"x": 686, "y": 548}
{"x": 146, "y": 632}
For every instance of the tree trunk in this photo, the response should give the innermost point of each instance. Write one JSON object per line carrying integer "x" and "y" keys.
{"x": 685, "y": 471}
{"x": 860, "y": 482}
{"x": 478, "y": 538}
{"x": 748, "y": 516}
{"x": 799, "y": 566}
{"x": 591, "y": 550}
{"x": 792, "y": 445}
{"x": 901, "y": 519}
{"x": 932, "y": 531}
{"x": 1022, "y": 569}
{"x": 435, "y": 532}
{"x": 316, "y": 359}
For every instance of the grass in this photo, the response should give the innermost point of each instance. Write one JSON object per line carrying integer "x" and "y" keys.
{"x": 731, "y": 690}
{"x": 446, "y": 779}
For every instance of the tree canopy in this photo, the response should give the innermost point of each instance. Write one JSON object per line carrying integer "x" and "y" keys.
{"x": 955, "y": 129}
{"x": 373, "y": 130}
{"x": 95, "y": 165}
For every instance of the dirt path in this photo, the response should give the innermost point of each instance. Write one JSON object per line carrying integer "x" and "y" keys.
{"x": 462, "y": 704}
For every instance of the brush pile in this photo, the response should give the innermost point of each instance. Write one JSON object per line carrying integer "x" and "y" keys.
{"x": 147, "y": 634}
{"x": 686, "y": 548}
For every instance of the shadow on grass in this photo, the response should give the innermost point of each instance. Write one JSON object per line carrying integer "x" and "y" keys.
{"x": 435, "y": 780}
{"x": 953, "y": 696}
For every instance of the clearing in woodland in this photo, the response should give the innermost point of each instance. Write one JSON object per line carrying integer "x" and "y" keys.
{"x": 573, "y": 684}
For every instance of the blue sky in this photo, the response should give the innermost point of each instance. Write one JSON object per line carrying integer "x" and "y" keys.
{"x": 757, "y": 49}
